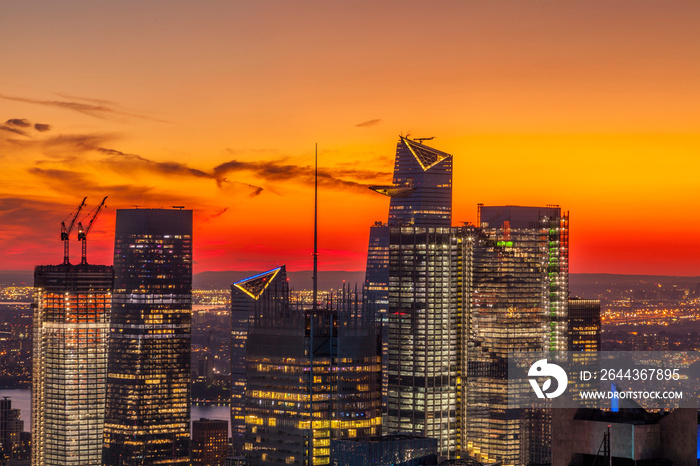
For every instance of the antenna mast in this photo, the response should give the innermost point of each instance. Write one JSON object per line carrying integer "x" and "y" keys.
{"x": 315, "y": 276}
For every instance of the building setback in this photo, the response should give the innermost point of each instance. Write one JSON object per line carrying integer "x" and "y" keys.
{"x": 70, "y": 330}
{"x": 148, "y": 384}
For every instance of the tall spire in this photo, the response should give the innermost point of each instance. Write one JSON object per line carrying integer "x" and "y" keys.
{"x": 315, "y": 276}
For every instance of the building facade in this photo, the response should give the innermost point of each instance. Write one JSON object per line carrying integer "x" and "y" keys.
{"x": 584, "y": 324}
{"x": 209, "y": 445}
{"x": 518, "y": 302}
{"x": 11, "y": 427}
{"x": 70, "y": 331}
{"x": 244, "y": 296}
{"x": 428, "y": 292}
{"x": 148, "y": 382}
{"x": 420, "y": 196}
{"x": 312, "y": 376}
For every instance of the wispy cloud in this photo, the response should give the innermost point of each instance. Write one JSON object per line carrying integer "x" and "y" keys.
{"x": 368, "y": 123}
{"x": 21, "y": 122}
{"x": 92, "y": 107}
{"x": 279, "y": 170}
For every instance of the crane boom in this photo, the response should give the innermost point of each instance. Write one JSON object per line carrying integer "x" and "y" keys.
{"x": 82, "y": 232}
{"x": 65, "y": 231}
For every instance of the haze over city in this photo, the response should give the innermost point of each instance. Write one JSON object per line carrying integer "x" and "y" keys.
{"x": 592, "y": 106}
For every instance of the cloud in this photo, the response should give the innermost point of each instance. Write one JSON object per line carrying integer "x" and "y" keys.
{"x": 368, "y": 123}
{"x": 21, "y": 122}
{"x": 13, "y": 130}
{"x": 280, "y": 171}
{"x": 94, "y": 108}
{"x": 42, "y": 127}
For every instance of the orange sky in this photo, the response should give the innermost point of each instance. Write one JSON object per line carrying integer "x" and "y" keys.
{"x": 594, "y": 106}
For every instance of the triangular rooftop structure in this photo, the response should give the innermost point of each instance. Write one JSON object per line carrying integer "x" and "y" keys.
{"x": 394, "y": 191}
{"x": 427, "y": 156}
{"x": 255, "y": 285}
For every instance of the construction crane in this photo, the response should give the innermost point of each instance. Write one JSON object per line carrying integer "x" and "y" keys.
{"x": 82, "y": 232}
{"x": 65, "y": 231}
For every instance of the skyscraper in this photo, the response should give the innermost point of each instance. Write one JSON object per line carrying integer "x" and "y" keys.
{"x": 312, "y": 375}
{"x": 245, "y": 294}
{"x": 428, "y": 289}
{"x": 421, "y": 195}
{"x": 519, "y": 283}
{"x": 148, "y": 385}
{"x": 70, "y": 325}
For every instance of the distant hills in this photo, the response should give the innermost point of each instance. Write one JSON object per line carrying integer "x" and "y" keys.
{"x": 580, "y": 284}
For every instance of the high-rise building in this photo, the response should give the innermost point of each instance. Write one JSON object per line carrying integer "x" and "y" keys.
{"x": 148, "y": 384}
{"x": 584, "y": 324}
{"x": 11, "y": 427}
{"x": 421, "y": 195}
{"x": 427, "y": 296}
{"x": 70, "y": 331}
{"x": 209, "y": 442}
{"x": 312, "y": 375}
{"x": 518, "y": 301}
{"x": 244, "y": 296}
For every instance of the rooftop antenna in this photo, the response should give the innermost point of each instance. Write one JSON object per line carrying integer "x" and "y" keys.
{"x": 315, "y": 276}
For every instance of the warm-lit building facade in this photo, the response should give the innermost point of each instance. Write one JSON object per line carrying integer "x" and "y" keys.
{"x": 427, "y": 296}
{"x": 71, "y": 327}
{"x": 518, "y": 302}
{"x": 420, "y": 195}
{"x": 584, "y": 324}
{"x": 312, "y": 375}
{"x": 209, "y": 445}
{"x": 148, "y": 383}
{"x": 244, "y": 296}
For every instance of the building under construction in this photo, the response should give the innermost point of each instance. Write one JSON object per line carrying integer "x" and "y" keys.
{"x": 70, "y": 330}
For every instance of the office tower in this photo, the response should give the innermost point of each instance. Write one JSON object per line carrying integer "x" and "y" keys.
{"x": 148, "y": 385}
{"x": 209, "y": 442}
{"x": 427, "y": 296}
{"x": 584, "y": 324}
{"x": 519, "y": 293}
{"x": 244, "y": 296}
{"x": 11, "y": 427}
{"x": 421, "y": 195}
{"x": 312, "y": 375}
{"x": 70, "y": 331}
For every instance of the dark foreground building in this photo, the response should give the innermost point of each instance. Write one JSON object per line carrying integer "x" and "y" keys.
{"x": 209, "y": 442}
{"x": 311, "y": 376}
{"x": 70, "y": 330}
{"x": 387, "y": 450}
{"x": 148, "y": 385}
{"x": 634, "y": 437}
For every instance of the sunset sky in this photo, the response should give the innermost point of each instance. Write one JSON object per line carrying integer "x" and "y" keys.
{"x": 217, "y": 105}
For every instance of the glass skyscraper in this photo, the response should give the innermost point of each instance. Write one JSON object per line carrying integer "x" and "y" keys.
{"x": 428, "y": 290}
{"x": 421, "y": 195}
{"x": 518, "y": 302}
{"x": 70, "y": 330}
{"x": 311, "y": 375}
{"x": 148, "y": 384}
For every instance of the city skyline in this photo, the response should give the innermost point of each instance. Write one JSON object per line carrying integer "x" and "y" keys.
{"x": 596, "y": 102}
